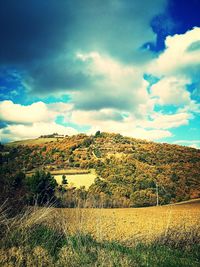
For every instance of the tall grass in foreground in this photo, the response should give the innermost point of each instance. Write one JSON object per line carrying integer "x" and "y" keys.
{"x": 31, "y": 240}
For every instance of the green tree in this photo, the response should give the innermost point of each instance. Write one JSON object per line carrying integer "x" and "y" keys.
{"x": 98, "y": 134}
{"x": 41, "y": 188}
{"x": 64, "y": 180}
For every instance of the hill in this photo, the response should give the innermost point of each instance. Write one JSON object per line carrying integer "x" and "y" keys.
{"x": 130, "y": 172}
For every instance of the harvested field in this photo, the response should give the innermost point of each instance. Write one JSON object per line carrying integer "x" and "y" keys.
{"x": 36, "y": 141}
{"x": 64, "y": 171}
{"x": 131, "y": 223}
{"x": 77, "y": 180}
{"x": 70, "y": 171}
{"x": 75, "y": 177}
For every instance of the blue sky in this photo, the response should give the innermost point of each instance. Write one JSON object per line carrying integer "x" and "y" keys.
{"x": 124, "y": 66}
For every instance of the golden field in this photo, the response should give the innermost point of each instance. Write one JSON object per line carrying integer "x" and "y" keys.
{"x": 77, "y": 180}
{"x": 129, "y": 224}
{"x": 156, "y": 236}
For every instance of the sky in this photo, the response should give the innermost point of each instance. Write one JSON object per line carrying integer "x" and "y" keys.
{"x": 125, "y": 66}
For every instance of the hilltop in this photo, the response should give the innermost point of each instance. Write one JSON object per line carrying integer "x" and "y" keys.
{"x": 128, "y": 170}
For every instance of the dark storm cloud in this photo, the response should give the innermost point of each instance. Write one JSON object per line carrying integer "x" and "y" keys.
{"x": 97, "y": 101}
{"x": 59, "y": 73}
{"x": 35, "y": 33}
{"x": 32, "y": 29}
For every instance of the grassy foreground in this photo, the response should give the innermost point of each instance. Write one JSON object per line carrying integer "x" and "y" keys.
{"x": 31, "y": 240}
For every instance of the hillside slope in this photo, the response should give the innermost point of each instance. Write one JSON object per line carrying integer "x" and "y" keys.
{"x": 129, "y": 169}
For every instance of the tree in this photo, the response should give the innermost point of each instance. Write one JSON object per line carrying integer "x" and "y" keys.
{"x": 64, "y": 180}
{"x": 87, "y": 142}
{"x": 98, "y": 134}
{"x": 41, "y": 188}
{"x": 12, "y": 190}
{"x": 62, "y": 188}
{"x": 18, "y": 180}
{"x": 143, "y": 198}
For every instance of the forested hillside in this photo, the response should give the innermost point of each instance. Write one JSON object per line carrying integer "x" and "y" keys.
{"x": 130, "y": 172}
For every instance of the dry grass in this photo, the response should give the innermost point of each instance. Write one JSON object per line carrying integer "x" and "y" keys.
{"x": 34, "y": 239}
{"x": 130, "y": 224}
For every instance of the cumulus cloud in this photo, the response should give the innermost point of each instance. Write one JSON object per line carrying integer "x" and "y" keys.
{"x": 31, "y": 121}
{"x": 171, "y": 91}
{"x": 127, "y": 125}
{"x": 128, "y": 129}
{"x": 11, "y": 112}
{"x": 22, "y": 131}
{"x": 179, "y": 55}
{"x": 122, "y": 87}
{"x": 36, "y": 112}
{"x": 161, "y": 121}
{"x": 178, "y": 68}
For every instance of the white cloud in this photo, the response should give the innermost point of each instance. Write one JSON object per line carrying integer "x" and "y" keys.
{"x": 177, "y": 67}
{"x": 33, "y": 120}
{"x": 178, "y": 54}
{"x": 105, "y": 65}
{"x": 21, "y": 131}
{"x": 36, "y": 112}
{"x": 129, "y": 126}
{"x": 171, "y": 91}
{"x": 193, "y": 107}
{"x": 127, "y": 129}
{"x": 121, "y": 86}
{"x": 161, "y": 121}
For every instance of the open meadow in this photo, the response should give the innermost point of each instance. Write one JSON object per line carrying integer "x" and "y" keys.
{"x": 130, "y": 224}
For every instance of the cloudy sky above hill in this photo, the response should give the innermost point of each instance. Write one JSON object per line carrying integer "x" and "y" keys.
{"x": 125, "y": 66}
